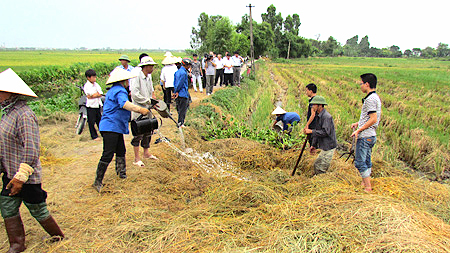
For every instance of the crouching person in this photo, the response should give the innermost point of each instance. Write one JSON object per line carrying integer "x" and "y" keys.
{"x": 114, "y": 124}
{"x": 323, "y": 136}
{"x": 20, "y": 164}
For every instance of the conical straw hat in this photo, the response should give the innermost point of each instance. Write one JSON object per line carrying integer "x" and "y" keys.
{"x": 169, "y": 60}
{"x": 279, "y": 110}
{"x": 168, "y": 54}
{"x": 11, "y": 82}
{"x": 118, "y": 75}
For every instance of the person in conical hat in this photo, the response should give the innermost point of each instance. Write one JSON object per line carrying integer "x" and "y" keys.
{"x": 167, "y": 78}
{"x": 168, "y": 54}
{"x": 287, "y": 119}
{"x": 114, "y": 124}
{"x": 21, "y": 167}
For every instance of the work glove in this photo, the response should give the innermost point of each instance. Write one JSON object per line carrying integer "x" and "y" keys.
{"x": 15, "y": 185}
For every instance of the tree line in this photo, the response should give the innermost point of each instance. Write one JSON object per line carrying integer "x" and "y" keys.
{"x": 277, "y": 37}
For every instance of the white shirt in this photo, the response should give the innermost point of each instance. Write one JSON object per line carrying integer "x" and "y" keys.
{"x": 168, "y": 75}
{"x": 236, "y": 61}
{"x": 219, "y": 63}
{"x": 228, "y": 63}
{"x": 90, "y": 89}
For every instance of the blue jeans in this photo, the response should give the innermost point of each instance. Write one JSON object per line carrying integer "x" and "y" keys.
{"x": 363, "y": 155}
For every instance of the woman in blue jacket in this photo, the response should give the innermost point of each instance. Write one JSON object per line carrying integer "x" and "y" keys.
{"x": 114, "y": 124}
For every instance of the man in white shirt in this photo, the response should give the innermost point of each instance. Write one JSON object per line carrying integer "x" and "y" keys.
{"x": 93, "y": 93}
{"x": 228, "y": 70}
{"x": 219, "y": 69}
{"x": 167, "y": 77}
{"x": 142, "y": 91}
{"x": 237, "y": 63}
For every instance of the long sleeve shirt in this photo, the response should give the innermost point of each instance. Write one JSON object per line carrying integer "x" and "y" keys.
{"x": 181, "y": 83}
{"x": 141, "y": 88}
{"x": 20, "y": 142}
{"x": 324, "y": 136}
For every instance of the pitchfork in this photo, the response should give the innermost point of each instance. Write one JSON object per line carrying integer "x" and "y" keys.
{"x": 352, "y": 150}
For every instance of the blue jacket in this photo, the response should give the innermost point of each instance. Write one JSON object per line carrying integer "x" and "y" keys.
{"x": 288, "y": 118}
{"x": 180, "y": 83}
{"x": 115, "y": 118}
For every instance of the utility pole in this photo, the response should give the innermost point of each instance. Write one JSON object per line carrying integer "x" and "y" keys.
{"x": 252, "y": 52}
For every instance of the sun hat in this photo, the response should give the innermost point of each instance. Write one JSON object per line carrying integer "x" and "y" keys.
{"x": 167, "y": 54}
{"x": 278, "y": 110}
{"x": 118, "y": 75}
{"x": 146, "y": 60}
{"x": 169, "y": 60}
{"x": 12, "y": 83}
{"x": 318, "y": 100}
{"x": 124, "y": 57}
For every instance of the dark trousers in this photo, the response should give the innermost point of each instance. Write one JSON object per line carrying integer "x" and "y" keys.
{"x": 219, "y": 73}
{"x": 182, "y": 106}
{"x": 113, "y": 143}
{"x": 204, "y": 78}
{"x": 94, "y": 116}
{"x": 228, "y": 79}
{"x": 168, "y": 96}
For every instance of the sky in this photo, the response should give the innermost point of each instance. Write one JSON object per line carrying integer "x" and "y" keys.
{"x": 166, "y": 24}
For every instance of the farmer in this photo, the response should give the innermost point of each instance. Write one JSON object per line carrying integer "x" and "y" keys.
{"x": 323, "y": 136}
{"x": 167, "y": 76}
{"x": 93, "y": 93}
{"x": 181, "y": 93}
{"x": 366, "y": 134}
{"x": 286, "y": 118}
{"x": 142, "y": 91}
{"x": 114, "y": 124}
{"x": 125, "y": 63}
{"x": 20, "y": 164}
{"x": 311, "y": 90}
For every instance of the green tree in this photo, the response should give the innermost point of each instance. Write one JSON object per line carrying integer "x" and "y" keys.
{"x": 274, "y": 19}
{"x": 351, "y": 47}
{"x": 395, "y": 51}
{"x": 428, "y": 52}
{"x": 416, "y": 51}
{"x": 364, "y": 46}
{"x": 292, "y": 24}
{"x": 329, "y": 48}
{"x": 408, "y": 53}
{"x": 442, "y": 50}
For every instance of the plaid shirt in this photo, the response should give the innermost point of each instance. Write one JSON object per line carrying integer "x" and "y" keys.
{"x": 19, "y": 141}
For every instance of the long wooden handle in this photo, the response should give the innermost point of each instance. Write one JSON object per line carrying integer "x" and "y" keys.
{"x": 300, "y": 156}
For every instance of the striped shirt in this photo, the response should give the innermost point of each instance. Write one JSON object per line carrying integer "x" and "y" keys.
{"x": 20, "y": 142}
{"x": 371, "y": 104}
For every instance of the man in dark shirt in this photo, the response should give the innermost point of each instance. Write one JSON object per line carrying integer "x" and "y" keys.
{"x": 311, "y": 90}
{"x": 323, "y": 136}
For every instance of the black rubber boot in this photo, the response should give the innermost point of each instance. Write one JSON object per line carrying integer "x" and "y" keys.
{"x": 51, "y": 227}
{"x": 101, "y": 169}
{"x": 16, "y": 234}
{"x": 121, "y": 167}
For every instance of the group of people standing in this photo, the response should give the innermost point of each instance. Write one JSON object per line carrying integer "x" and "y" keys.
{"x": 214, "y": 70}
{"x": 320, "y": 129}
{"x": 136, "y": 83}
